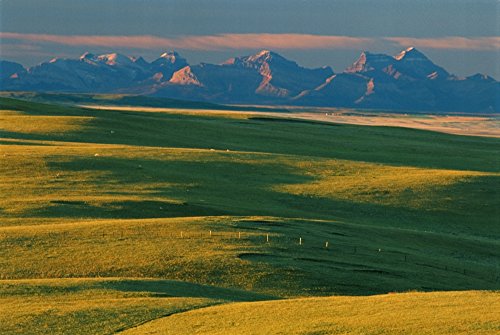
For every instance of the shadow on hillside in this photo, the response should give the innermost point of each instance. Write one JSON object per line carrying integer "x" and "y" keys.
{"x": 132, "y": 209}
{"x": 164, "y": 288}
{"x": 216, "y": 186}
{"x": 389, "y": 145}
{"x": 219, "y": 184}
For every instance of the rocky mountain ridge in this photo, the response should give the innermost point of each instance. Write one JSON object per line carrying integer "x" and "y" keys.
{"x": 406, "y": 81}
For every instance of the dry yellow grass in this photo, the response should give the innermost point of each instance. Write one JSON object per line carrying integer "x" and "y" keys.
{"x": 175, "y": 248}
{"x": 92, "y": 305}
{"x": 468, "y": 312}
{"x": 233, "y": 114}
{"x": 37, "y": 124}
{"x": 459, "y": 125}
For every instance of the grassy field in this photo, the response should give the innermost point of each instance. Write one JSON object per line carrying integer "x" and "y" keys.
{"x": 406, "y": 313}
{"x": 110, "y": 219}
{"x": 96, "y": 305}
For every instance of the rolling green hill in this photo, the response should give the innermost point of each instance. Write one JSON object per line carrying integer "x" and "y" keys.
{"x": 238, "y": 207}
{"x": 122, "y": 100}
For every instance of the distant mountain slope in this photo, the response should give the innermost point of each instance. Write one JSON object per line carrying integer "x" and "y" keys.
{"x": 10, "y": 70}
{"x": 406, "y": 81}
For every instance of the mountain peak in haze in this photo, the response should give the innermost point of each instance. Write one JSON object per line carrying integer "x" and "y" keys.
{"x": 264, "y": 53}
{"x": 87, "y": 55}
{"x": 406, "y": 81}
{"x": 171, "y": 56}
{"x": 167, "y": 64}
{"x": 368, "y": 61}
{"x": 481, "y": 77}
{"x": 411, "y": 54}
{"x": 418, "y": 65}
{"x": 139, "y": 61}
{"x": 111, "y": 59}
{"x": 261, "y": 60}
{"x": 265, "y": 56}
{"x": 89, "y": 58}
{"x": 185, "y": 76}
{"x": 10, "y": 70}
{"x": 409, "y": 64}
{"x": 114, "y": 58}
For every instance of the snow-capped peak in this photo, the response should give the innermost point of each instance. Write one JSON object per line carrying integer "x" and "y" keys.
{"x": 114, "y": 58}
{"x": 368, "y": 61}
{"x": 264, "y": 55}
{"x": 86, "y": 55}
{"x": 410, "y": 52}
{"x": 171, "y": 56}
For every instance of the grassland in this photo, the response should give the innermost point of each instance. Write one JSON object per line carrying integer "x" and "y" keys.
{"x": 95, "y": 305}
{"x": 406, "y": 313}
{"x": 194, "y": 210}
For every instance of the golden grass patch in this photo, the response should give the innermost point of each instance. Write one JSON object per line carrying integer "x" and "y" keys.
{"x": 84, "y": 311}
{"x": 18, "y": 122}
{"x": 229, "y": 114}
{"x": 174, "y": 248}
{"x": 469, "y": 312}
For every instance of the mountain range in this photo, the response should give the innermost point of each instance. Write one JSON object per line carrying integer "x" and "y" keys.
{"x": 407, "y": 81}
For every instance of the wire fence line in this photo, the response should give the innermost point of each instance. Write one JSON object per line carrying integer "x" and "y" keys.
{"x": 298, "y": 243}
{"x": 276, "y": 242}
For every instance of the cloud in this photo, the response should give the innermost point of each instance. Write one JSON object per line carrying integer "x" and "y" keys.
{"x": 272, "y": 41}
{"x": 255, "y": 41}
{"x": 450, "y": 43}
{"x": 202, "y": 42}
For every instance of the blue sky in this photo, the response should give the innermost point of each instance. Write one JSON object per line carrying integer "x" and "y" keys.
{"x": 461, "y": 35}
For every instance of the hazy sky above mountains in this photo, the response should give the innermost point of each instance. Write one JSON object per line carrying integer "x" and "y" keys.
{"x": 461, "y": 35}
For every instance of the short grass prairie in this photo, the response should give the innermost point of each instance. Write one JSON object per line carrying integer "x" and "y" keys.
{"x": 238, "y": 208}
{"x": 96, "y": 305}
{"x": 406, "y": 313}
